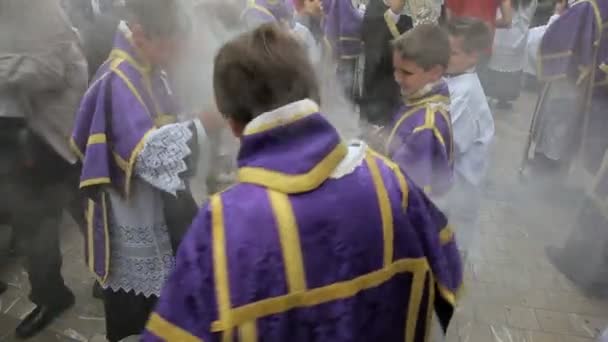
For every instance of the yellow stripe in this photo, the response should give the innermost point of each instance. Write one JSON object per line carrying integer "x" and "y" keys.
{"x": 297, "y": 183}
{"x": 398, "y": 124}
{"x": 448, "y": 121}
{"x": 122, "y": 164}
{"x": 431, "y": 99}
{"x": 449, "y": 295}
{"x": 446, "y": 235}
{"x": 598, "y": 20}
{"x": 167, "y": 331}
{"x": 164, "y": 119}
{"x": 349, "y": 39}
{"x": 385, "y": 210}
{"x": 319, "y": 295}
{"x": 95, "y": 181}
{"x": 248, "y": 332}
{"x": 430, "y": 306}
{"x": 556, "y": 55}
{"x": 129, "y": 85}
{"x": 429, "y": 123}
{"x": 290, "y": 241}
{"x": 132, "y": 159}
{"x": 392, "y": 26}
{"x": 99, "y": 138}
{"x": 220, "y": 264}
{"x": 122, "y": 54}
{"x": 90, "y": 241}
{"x": 106, "y": 233}
{"x": 405, "y": 191}
{"x": 413, "y": 308}
{"x": 250, "y": 130}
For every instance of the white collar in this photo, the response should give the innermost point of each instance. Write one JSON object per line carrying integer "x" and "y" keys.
{"x": 283, "y": 115}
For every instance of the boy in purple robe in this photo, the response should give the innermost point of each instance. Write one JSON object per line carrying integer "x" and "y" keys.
{"x": 320, "y": 240}
{"x": 134, "y": 158}
{"x": 420, "y": 140}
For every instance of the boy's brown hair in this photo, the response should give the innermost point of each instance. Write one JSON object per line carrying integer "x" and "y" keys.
{"x": 159, "y": 18}
{"x": 475, "y": 33}
{"x": 427, "y": 45}
{"x": 260, "y": 71}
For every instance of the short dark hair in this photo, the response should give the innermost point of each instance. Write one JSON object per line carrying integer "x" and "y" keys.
{"x": 262, "y": 70}
{"x": 427, "y": 45}
{"x": 475, "y": 33}
{"x": 159, "y": 18}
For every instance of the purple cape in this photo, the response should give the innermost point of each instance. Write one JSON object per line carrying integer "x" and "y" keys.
{"x": 342, "y": 26}
{"x": 421, "y": 141}
{"x": 291, "y": 253}
{"x": 126, "y": 100}
{"x": 568, "y": 48}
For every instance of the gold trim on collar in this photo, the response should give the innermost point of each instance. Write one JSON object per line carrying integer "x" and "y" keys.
{"x": 392, "y": 26}
{"x": 281, "y": 121}
{"x": 297, "y": 183}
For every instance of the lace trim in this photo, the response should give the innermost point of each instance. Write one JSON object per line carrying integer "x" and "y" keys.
{"x": 162, "y": 158}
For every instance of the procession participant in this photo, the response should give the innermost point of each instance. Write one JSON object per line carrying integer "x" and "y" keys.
{"x": 503, "y": 79}
{"x": 472, "y": 125}
{"x": 420, "y": 138}
{"x": 320, "y": 240}
{"x": 383, "y": 22}
{"x": 134, "y": 161}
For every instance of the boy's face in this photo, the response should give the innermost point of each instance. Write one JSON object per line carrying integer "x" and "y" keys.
{"x": 411, "y": 77}
{"x": 156, "y": 50}
{"x": 460, "y": 60}
{"x": 313, "y": 7}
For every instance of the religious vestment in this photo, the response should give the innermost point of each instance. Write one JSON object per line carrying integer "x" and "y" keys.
{"x": 342, "y": 43}
{"x": 420, "y": 138}
{"x": 319, "y": 240}
{"x": 573, "y": 55}
{"x": 533, "y": 45}
{"x": 381, "y": 95}
{"x": 131, "y": 152}
{"x": 575, "y": 50}
{"x": 473, "y": 129}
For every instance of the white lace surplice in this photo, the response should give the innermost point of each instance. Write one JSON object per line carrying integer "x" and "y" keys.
{"x": 141, "y": 256}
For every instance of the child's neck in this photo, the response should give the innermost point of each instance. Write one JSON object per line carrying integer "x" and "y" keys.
{"x": 424, "y": 91}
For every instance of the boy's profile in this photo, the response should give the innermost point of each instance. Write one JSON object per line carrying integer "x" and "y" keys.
{"x": 420, "y": 139}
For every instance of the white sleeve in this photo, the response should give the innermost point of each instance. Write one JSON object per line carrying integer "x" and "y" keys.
{"x": 162, "y": 160}
{"x": 464, "y": 128}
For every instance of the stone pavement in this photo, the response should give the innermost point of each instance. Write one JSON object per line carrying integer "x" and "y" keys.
{"x": 513, "y": 294}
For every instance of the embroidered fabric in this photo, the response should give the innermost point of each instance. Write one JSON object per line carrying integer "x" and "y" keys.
{"x": 141, "y": 255}
{"x": 162, "y": 158}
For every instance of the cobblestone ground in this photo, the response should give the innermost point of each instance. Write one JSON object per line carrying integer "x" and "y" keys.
{"x": 513, "y": 294}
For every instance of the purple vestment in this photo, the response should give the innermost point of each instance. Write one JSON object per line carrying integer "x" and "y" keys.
{"x": 263, "y": 11}
{"x": 421, "y": 142}
{"x": 297, "y": 251}
{"x": 126, "y": 100}
{"x": 342, "y": 27}
{"x": 574, "y": 47}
